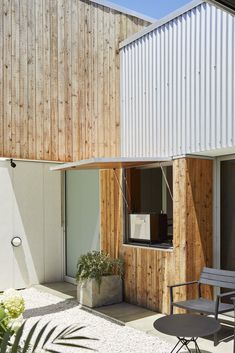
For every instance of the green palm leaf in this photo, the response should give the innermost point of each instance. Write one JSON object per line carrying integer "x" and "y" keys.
{"x": 5, "y": 342}
{"x": 76, "y": 338}
{"x": 48, "y": 336}
{"x": 29, "y": 337}
{"x": 18, "y": 337}
{"x": 68, "y": 330}
{"x": 62, "y": 339}
{"x": 39, "y": 336}
{"x": 73, "y": 345}
{"x": 62, "y": 332}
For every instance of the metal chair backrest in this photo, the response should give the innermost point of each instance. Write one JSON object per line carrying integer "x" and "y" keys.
{"x": 218, "y": 278}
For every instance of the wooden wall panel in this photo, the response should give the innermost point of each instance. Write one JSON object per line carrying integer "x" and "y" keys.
{"x": 148, "y": 272}
{"x": 199, "y": 219}
{"x": 59, "y": 78}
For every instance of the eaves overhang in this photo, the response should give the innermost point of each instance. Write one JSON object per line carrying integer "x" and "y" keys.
{"x": 110, "y": 163}
{"x": 227, "y": 4}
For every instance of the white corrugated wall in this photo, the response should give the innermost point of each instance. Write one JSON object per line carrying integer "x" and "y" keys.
{"x": 178, "y": 86}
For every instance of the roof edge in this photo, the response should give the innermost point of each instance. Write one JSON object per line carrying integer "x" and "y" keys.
{"x": 124, "y": 10}
{"x": 162, "y": 21}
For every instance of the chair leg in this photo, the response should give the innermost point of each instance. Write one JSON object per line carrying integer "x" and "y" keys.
{"x": 216, "y": 339}
{"x": 171, "y": 309}
{"x": 233, "y": 299}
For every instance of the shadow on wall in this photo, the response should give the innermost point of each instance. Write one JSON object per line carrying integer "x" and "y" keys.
{"x": 20, "y": 258}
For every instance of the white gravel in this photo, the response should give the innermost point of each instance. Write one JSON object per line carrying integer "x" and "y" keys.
{"x": 111, "y": 337}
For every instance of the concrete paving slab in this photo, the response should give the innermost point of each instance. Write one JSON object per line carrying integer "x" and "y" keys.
{"x": 142, "y": 319}
{"x": 125, "y": 312}
{"x": 61, "y": 289}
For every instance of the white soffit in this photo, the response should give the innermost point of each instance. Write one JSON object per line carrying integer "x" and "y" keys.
{"x": 228, "y": 5}
{"x": 109, "y": 163}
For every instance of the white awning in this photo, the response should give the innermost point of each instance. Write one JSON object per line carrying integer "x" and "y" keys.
{"x": 110, "y": 163}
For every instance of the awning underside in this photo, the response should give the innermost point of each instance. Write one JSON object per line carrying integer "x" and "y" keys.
{"x": 228, "y": 3}
{"x": 110, "y": 163}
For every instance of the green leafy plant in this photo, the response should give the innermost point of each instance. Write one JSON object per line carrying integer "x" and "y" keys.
{"x": 11, "y": 308}
{"x": 43, "y": 340}
{"x": 96, "y": 264}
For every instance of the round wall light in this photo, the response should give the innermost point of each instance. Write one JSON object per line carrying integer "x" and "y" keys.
{"x": 16, "y": 241}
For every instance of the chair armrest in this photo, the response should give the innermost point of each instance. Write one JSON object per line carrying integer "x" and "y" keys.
{"x": 183, "y": 284}
{"x": 227, "y": 294}
{"x": 177, "y": 285}
{"x": 218, "y": 297}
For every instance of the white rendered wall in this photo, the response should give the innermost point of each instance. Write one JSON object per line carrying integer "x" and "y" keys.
{"x": 30, "y": 209}
{"x": 178, "y": 86}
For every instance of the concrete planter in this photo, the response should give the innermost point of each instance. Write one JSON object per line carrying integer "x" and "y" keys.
{"x": 110, "y": 292}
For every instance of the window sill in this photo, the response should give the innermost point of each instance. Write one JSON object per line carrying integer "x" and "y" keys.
{"x": 149, "y": 247}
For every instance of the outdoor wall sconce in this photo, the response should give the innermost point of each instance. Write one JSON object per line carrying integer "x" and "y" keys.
{"x": 13, "y": 165}
{"x": 16, "y": 242}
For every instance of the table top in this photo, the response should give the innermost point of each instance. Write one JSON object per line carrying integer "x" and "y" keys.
{"x": 187, "y": 325}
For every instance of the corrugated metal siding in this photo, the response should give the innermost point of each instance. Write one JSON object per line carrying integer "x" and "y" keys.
{"x": 178, "y": 86}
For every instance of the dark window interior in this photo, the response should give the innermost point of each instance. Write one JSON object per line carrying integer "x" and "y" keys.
{"x": 149, "y": 215}
{"x": 227, "y": 215}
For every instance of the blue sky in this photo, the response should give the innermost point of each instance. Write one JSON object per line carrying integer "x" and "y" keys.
{"x": 153, "y": 8}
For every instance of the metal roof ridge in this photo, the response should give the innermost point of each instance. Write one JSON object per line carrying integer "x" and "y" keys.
{"x": 124, "y": 10}
{"x": 163, "y": 21}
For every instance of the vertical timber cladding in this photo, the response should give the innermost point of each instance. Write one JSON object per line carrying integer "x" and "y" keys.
{"x": 148, "y": 272}
{"x": 59, "y": 78}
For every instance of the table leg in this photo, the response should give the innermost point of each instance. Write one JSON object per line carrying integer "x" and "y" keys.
{"x": 196, "y": 346}
{"x": 184, "y": 343}
{"x": 176, "y": 345}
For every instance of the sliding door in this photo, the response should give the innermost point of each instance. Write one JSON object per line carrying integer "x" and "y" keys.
{"x": 82, "y": 216}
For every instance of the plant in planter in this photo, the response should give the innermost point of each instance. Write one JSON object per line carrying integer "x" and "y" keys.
{"x": 99, "y": 279}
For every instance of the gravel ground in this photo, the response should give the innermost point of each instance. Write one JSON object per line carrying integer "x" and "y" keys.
{"x": 111, "y": 337}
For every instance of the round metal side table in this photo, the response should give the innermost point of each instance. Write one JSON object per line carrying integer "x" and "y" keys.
{"x": 187, "y": 328}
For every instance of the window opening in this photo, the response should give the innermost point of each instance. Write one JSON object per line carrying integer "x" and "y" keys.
{"x": 148, "y": 207}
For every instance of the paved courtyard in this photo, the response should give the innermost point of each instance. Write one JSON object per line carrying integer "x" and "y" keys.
{"x": 121, "y": 318}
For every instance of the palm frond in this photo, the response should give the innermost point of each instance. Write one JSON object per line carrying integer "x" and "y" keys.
{"x": 50, "y": 333}
{"x": 5, "y": 342}
{"x": 34, "y": 340}
{"x": 39, "y": 336}
{"x": 16, "y": 344}
{"x": 29, "y": 337}
{"x": 73, "y": 345}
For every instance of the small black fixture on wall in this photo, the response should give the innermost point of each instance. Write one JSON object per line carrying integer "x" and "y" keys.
{"x": 13, "y": 165}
